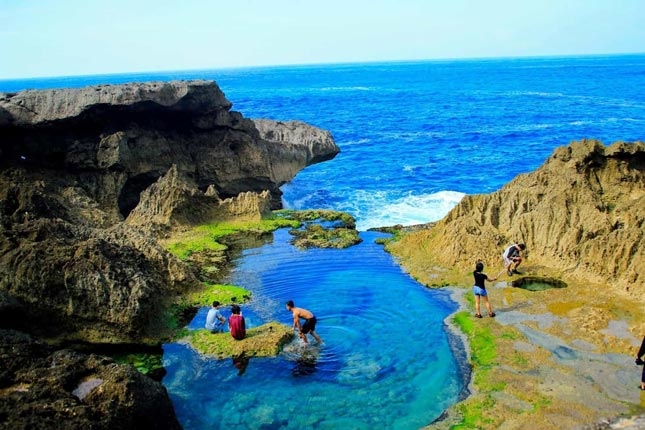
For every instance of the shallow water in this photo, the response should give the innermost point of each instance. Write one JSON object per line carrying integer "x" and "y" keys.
{"x": 386, "y": 361}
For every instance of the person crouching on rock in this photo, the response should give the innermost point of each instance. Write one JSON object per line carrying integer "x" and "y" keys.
{"x": 215, "y": 320}
{"x": 236, "y": 323}
{"x": 513, "y": 258}
{"x": 480, "y": 290}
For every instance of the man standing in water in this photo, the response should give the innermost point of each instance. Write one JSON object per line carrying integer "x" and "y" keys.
{"x": 309, "y": 325}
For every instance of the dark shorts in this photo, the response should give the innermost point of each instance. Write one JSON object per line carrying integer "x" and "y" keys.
{"x": 310, "y": 325}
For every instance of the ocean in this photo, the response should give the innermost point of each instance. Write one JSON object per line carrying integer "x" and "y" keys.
{"x": 414, "y": 138}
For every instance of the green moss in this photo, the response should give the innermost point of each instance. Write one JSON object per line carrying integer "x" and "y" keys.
{"x": 317, "y": 236}
{"x": 483, "y": 354}
{"x": 223, "y": 293}
{"x": 263, "y": 341}
{"x": 206, "y": 237}
{"x": 345, "y": 220}
{"x": 473, "y": 414}
{"x": 144, "y": 363}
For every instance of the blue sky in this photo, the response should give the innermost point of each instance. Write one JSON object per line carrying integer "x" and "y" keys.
{"x": 41, "y": 38}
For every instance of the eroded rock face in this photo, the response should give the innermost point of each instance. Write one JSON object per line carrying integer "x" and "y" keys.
{"x": 119, "y": 139}
{"x": 47, "y": 389}
{"x": 75, "y": 162}
{"x": 582, "y": 213}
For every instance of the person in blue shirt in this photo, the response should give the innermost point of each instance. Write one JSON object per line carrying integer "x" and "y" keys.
{"x": 215, "y": 320}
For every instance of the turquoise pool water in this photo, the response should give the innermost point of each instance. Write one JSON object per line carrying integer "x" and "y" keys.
{"x": 386, "y": 361}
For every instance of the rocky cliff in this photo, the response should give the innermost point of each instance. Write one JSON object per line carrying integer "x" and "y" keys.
{"x": 116, "y": 140}
{"x": 90, "y": 179}
{"x": 76, "y": 163}
{"x": 581, "y": 215}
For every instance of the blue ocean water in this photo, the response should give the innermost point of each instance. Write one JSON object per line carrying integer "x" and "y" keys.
{"x": 414, "y": 138}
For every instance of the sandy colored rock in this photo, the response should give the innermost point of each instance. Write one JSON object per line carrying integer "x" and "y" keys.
{"x": 564, "y": 358}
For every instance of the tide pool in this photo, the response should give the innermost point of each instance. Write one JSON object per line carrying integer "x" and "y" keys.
{"x": 386, "y": 360}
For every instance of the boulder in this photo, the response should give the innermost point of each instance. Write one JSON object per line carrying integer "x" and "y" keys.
{"x": 48, "y": 389}
{"x": 116, "y": 140}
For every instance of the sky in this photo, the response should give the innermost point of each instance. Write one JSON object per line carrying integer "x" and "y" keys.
{"x": 46, "y": 38}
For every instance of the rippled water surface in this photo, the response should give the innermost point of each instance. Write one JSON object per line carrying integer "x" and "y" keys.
{"x": 385, "y": 362}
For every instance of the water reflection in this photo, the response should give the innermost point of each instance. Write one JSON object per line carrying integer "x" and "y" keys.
{"x": 386, "y": 361}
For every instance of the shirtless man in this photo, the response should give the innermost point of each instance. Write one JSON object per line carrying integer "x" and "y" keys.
{"x": 310, "y": 322}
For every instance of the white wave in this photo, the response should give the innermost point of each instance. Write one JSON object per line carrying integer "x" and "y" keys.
{"x": 408, "y": 210}
{"x": 345, "y": 89}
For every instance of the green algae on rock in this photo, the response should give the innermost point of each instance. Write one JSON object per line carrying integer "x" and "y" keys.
{"x": 266, "y": 340}
{"x": 322, "y": 229}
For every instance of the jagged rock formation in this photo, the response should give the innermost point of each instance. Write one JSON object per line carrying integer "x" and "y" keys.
{"x": 75, "y": 162}
{"x": 581, "y": 214}
{"x": 173, "y": 202}
{"x": 47, "y": 389}
{"x": 119, "y": 139}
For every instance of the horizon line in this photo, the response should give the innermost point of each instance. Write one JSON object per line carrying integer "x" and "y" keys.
{"x": 331, "y": 63}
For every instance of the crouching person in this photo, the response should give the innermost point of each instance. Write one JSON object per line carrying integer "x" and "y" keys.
{"x": 236, "y": 323}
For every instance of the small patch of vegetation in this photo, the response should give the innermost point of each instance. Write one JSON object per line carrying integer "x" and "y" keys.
{"x": 263, "y": 341}
{"x": 308, "y": 216}
{"x": 473, "y": 413}
{"x": 206, "y": 237}
{"x": 480, "y": 338}
{"x": 483, "y": 354}
{"x": 223, "y": 293}
{"x": 317, "y": 236}
{"x": 148, "y": 364}
{"x": 323, "y": 228}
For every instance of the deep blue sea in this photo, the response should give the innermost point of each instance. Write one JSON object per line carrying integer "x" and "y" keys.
{"x": 414, "y": 138}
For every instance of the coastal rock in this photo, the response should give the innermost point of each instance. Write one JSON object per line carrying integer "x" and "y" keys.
{"x": 173, "y": 202}
{"x": 90, "y": 179}
{"x": 47, "y": 389}
{"x": 74, "y": 163}
{"x": 581, "y": 215}
{"x": 117, "y": 140}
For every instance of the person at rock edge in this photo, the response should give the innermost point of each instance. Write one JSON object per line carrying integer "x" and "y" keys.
{"x": 640, "y": 362}
{"x": 513, "y": 257}
{"x": 214, "y": 319}
{"x": 236, "y": 323}
{"x": 309, "y": 327}
{"x": 479, "y": 289}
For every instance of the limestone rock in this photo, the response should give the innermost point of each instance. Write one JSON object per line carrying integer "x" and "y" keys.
{"x": 74, "y": 163}
{"x": 48, "y": 389}
{"x": 116, "y": 140}
{"x": 173, "y": 202}
{"x": 581, "y": 214}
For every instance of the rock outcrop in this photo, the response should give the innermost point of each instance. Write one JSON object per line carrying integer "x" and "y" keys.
{"x": 47, "y": 389}
{"x": 117, "y": 140}
{"x": 581, "y": 215}
{"x": 75, "y": 163}
{"x": 90, "y": 179}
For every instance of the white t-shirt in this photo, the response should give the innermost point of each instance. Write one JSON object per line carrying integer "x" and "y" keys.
{"x": 214, "y": 320}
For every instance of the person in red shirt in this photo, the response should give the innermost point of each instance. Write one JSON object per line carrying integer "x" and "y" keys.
{"x": 236, "y": 323}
